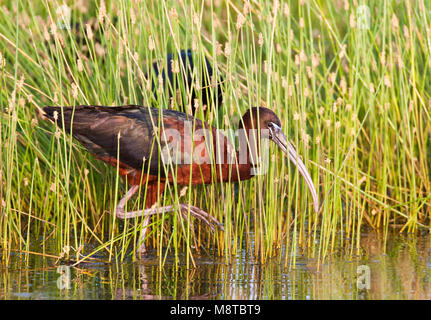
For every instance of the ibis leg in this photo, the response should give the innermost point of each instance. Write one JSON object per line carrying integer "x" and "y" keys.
{"x": 120, "y": 211}
{"x": 142, "y": 249}
{"x": 184, "y": 209}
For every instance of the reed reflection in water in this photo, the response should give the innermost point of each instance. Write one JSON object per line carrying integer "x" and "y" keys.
{"x": 402, "y": 272}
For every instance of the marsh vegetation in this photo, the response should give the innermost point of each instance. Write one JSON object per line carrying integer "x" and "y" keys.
{"x": 349, "y": 80}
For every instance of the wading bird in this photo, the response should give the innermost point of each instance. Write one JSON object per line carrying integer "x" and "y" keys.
{"x": 186, "y": 68}
{"x": 156, "y": 146}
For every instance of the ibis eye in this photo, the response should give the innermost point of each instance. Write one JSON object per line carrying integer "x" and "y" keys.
{"x": 270, "y": 127}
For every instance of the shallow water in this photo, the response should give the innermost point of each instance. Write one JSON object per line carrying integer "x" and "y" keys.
{"x": 403, "y": 272}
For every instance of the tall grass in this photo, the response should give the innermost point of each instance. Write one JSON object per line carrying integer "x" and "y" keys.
{"x": 353, "y": 98}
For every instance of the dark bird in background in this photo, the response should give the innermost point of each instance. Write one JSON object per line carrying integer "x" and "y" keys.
{"x": 142, "y": 135}
{"x": 210, "y": 90}
{"x": 186, "y": 67}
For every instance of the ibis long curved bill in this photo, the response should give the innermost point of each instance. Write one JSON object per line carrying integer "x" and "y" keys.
{"x": 277, "y": 135}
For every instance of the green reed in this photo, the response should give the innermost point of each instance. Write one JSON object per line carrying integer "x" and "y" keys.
{"x": 353, "y": 99}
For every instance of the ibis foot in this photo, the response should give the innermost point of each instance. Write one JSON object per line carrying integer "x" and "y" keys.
{"x": 184, "y": 209}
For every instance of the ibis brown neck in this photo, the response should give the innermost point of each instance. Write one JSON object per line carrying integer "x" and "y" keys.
{"x": 262, "y": 123}
{"x": 248, "y": 136}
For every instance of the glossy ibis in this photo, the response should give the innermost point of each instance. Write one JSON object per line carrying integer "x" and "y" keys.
{"x": 144, "y": 134}
{"x": 186, "y": 68}
{"x": 210, "y": 91}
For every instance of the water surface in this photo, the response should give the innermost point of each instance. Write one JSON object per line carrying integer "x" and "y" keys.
{"x": 402, "y": 272}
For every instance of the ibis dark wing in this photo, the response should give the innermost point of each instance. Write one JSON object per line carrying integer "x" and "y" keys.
{"x": 103, "y": 129}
